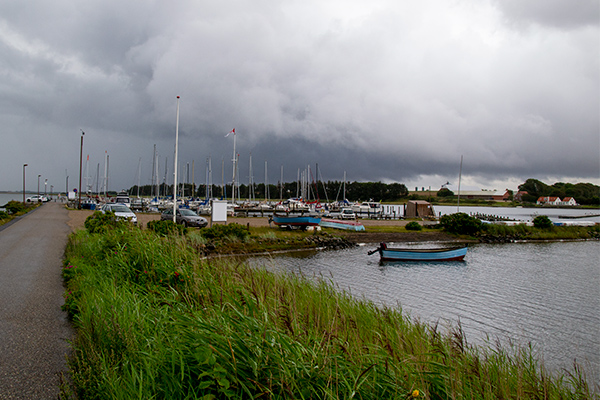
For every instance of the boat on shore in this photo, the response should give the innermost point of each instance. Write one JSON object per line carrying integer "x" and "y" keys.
{"x": 405, "y": 254}
{"x": 295, "y": 221}
{"x": 341, "y": 224}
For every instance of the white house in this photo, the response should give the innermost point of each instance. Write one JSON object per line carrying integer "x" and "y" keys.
{"x": 549, "y": 201}
{"x": 568, "y": 201}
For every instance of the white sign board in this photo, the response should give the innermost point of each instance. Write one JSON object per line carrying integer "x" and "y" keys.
{"x": 72, "y": 196}
{"x": 219, "y": 211}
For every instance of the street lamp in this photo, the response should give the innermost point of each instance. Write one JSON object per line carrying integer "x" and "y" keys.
{"x": 80, "y": 162}
{"x": 24, "y": 165}
{"x": 39, "y": 176}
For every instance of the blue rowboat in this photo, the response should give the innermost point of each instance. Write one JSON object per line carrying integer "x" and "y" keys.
{"x": 300, "y": 221}
{"x": 441, "y": 254}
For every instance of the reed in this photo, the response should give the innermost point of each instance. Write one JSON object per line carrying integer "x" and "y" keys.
{"x": 156, "y": 321}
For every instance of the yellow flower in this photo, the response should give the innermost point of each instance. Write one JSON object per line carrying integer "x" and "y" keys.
{"x": 415, "y": 393}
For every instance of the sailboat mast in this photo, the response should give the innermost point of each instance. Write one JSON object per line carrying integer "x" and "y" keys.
{"x": 234, "y": 169}
{"x": 175, "y": 165}
{"x": 459, "y": 179}
{"x": 281, "y": 185}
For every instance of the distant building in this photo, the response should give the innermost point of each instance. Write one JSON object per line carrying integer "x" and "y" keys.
{"x": 549, "y": 201}
{"x": 520, "y": 194}
{"x": 568, "y": 201}
{"x": 489, "y": 195}
{"x": 418, "y": 209}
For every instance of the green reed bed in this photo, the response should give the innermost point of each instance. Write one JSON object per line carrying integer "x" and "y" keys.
{"x": 155, "y": 321}
{"x": 525, "y": 232}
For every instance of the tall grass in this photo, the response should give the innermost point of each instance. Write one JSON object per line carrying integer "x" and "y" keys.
{"x": 156, "y": 322}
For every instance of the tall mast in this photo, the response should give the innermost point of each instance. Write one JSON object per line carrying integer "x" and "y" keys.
{"x": 153, "y": 172}
{"x": 459, "y": 178}
{"x": 175, "y": 165}
{"x": 234, "y": 169}
{"x": 267, "y": 192}
{"x": 281, "y": 185}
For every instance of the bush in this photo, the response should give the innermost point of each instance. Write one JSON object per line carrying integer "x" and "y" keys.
{"x": 543, "y": 222}
{"x": 14, "y": 207}
{"x": 413, "y": 226}
{"x": 220, "y": 232}
{"x": 3, "y": 215}
{"x": 166, "y": 228}
{"x": 461, "y": 223}
{"x": 445, "y": 192}
{"x": 99, "y": 222}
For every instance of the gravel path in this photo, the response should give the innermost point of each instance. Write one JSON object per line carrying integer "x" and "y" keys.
{"x": 34, "y": 332}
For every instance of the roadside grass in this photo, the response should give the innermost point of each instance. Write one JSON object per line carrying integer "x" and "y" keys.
{"x": 155, "y": 321}
{"x": 16, "y": 209}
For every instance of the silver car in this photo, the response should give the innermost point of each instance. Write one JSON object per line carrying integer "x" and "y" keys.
{"x": 121, "y": 211}
{"x": 185, "y": 217}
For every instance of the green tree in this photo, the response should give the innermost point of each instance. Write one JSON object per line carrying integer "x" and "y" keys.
{"x": 542, "y": 221}
{"x": 461, "y": 223}
{"x": 445, "y": 192}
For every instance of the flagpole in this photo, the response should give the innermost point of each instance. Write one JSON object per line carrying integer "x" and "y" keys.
{"x": 175, "y": 165}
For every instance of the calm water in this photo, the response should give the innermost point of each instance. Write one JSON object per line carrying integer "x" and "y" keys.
{"x": 6, "y": 197}
{"x": 544, "y": 294}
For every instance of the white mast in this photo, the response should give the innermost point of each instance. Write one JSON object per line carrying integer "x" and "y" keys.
{"x": 234, "y": 169}
{"x": 281, "y": 185}
{"x": 175, "y": 165}
{"x": 267, "y": 192}
{"x": 459, "y": 178}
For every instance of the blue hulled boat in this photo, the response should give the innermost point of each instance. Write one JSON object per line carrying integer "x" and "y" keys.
{"x": 296, "y": 221}
{"x": 441, "y": 254}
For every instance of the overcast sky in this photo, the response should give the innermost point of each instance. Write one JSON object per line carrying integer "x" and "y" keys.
{"x": 392, "y": 91}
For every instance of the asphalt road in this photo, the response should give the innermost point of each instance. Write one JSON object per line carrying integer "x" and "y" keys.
{"x": 34, "y": 332}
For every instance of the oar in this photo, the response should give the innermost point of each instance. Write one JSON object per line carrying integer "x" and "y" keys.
{"x": 374, "y": 251}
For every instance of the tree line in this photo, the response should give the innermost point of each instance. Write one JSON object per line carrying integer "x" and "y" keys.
{"x": 324, "y": 191}
{"x": 583, "y": 193}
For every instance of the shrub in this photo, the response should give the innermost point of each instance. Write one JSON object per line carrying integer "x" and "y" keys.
{"x": 14, "y": 207}
{"x": 220, "y": 232}
{"x": 166, "y": 228}
{"x": 461, "y": 223}
{"x": 542, "y": 221}
{"x": 413, "y": 226}
{"x": 3, "y": 215}
{"x": 99, "y": 222}
{"x": 445, "y": 192}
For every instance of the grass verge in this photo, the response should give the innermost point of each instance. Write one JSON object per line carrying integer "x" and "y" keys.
{"x": 155, "y": 321}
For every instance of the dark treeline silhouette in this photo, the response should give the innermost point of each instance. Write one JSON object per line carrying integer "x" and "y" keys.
{"x": 583, "y": 193}
{"x": 324, "y": 191}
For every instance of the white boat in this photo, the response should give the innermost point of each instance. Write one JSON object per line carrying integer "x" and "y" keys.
{"x": 367, "y": 208}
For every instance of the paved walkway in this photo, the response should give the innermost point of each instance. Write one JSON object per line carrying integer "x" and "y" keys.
{"x": 34, "y": 332}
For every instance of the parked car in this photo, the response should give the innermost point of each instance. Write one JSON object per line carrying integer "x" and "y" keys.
{"x": 347, "y": 213}
{"x": 36, "y": 199}
{"x": 120, "y": 210}
{"x": 185, "y": 217}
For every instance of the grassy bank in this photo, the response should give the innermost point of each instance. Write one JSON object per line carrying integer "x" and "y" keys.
{"x": 15, "y": 209}
{"x": 155, "y": 320}
{"x": 504, "y": 233}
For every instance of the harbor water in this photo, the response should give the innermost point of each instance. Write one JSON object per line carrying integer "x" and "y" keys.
{"x": 546, "y": 295}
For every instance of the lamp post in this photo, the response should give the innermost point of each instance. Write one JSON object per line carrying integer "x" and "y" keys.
{"x": 51, "y": 190}
{"x": 39, "y": 176}
{"x": 24, "y": 165}
{"x": 80, "y": 162}
{"x": 46, "y": 188}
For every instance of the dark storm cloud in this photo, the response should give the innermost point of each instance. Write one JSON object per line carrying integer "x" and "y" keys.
{"x": 386, "y": 91}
